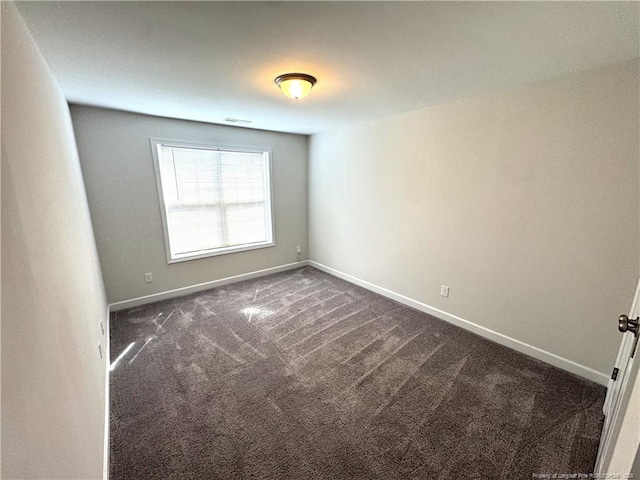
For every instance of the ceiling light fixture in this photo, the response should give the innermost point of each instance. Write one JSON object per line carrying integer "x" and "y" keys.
{"x": 295, "y": 85}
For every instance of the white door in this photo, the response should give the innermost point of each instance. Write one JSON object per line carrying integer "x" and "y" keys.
{"x": 619, "y": 388}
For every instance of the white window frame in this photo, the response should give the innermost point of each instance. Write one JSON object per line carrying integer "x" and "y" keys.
{"x": 271, "y": 242}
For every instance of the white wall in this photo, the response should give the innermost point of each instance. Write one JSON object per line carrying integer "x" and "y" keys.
{"x": 53, "y": 380}
{"x": 121, "y": 186}
{"x": 525, "y": 203}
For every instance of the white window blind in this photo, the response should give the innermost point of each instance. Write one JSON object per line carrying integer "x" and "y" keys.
{"x": 215, "y": 200}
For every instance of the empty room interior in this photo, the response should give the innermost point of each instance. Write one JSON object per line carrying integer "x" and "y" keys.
{"x": 320, "y": 240}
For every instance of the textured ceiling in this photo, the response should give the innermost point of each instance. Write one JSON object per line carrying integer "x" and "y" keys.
{"x": 212, "y": 60}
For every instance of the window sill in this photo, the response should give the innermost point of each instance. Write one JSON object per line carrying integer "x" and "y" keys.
{"x": 219, "y": 251}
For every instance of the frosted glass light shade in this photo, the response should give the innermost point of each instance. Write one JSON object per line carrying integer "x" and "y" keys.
{"x": 295, "y": 85}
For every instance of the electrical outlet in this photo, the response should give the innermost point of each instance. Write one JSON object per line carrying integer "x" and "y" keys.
{"x": 298, "y": 250}
{"x": 100, "y": 348}
{"x": 444, "y": 291}
{"x": 102, "y": 326}
{"x": 148, "y": 277}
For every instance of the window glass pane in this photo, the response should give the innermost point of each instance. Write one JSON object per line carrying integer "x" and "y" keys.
{"x": 194, "y": 230}
{"x": 243, "y": 177}
{"x": 245, "y": 223}
{"x": 197, "y": 176}
{"x": 168, "y": 177}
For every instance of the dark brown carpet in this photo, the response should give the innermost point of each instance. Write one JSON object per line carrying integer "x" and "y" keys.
{"x": 301, "y": 375}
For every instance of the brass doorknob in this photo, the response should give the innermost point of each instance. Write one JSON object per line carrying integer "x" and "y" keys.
{"x": 626, "y": 324}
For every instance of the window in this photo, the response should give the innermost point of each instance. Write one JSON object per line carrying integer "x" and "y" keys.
{"x": 214, "y": 199}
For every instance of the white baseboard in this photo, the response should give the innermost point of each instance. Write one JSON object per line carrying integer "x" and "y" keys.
{"x": 107, "y": 402}
{"x": 179, "y": 292}
{"x": 530, "y": 350}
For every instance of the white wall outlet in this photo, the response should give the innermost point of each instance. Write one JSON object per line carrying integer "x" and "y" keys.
{"x": 444, "y": 291}
{"x": 100, "y": 348}
{"x": 102, "y": 326}
{"x": 298, "y": 250}
{"x": 148, "y": 277}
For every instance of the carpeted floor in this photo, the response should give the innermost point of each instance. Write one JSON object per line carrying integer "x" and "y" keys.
{"x": 301, "y": 375}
